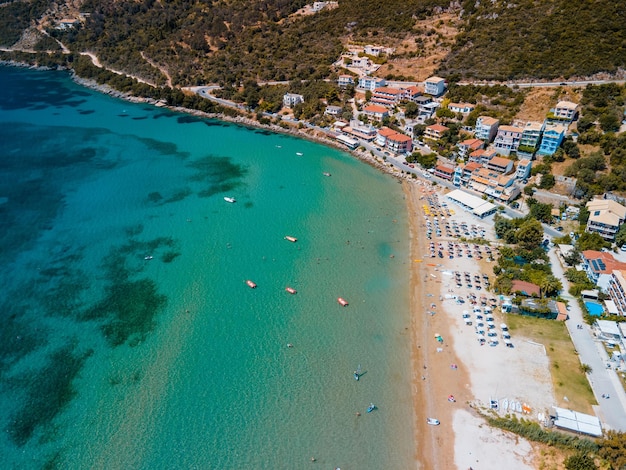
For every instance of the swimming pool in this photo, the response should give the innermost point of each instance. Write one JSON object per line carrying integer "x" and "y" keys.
{"x": 594, "y": 308}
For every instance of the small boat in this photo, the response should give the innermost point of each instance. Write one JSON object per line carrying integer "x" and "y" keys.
{"x": 326, "y": 173}
{"x": 291, "y": 239}
{"x": 147, "y": 258}
{"x": 229, "y": 199}
{"x": 432, "y": 421}
{"x": 371, "y": 408}
{"x": 343, "y": 302}
{"x": 251, "y": 284}
{"x": 451, "y": 398}
{"x": 299, "y": 154}
{"x": 357, "y": 373}
{"x": 291, "y": 290}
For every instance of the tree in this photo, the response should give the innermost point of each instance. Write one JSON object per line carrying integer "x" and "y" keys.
{"x": 620, "y": 237}
{"x": 529, "y": 190}
{"x": 580, "y": 461}
{"x": 613, "y": 450}
{"x": 427, "y": 161}
{"x": 550, "y": 286}
{"x": 418, "y": 130}
{"x": 591, "y": 241}
{"x": 572, "y": 258}
{"x": 547, "y": 181}
{"x": 530, "y": 234}
{"x": 368, "y": 95}
{"x": 411, "y": 109}
{"x": 541, "y": 212}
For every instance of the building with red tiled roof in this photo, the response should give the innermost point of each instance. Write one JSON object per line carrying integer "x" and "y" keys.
{"x": 445, "y": 172}
{"x": 376, "y": 112}
{"x": 387, "y": 96}
{"x": 501, "y": 165}
{"x": 435, "y": 131}
{"x": 399, "y": 143}
{"x": 599, "y": 266}
{"x": 525, "y": 288}
{"x": 469, "y": 145}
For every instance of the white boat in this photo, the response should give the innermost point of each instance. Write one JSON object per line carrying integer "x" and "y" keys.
{"x": 229, "y": 199}
{"x": 326, "y": 173}
{"x": 291, "y": 290}
{"x": 432, "y": 421}
{"x": 291, "y": 239}
{"x": 251, "y": 284}
{"x": 343, "y": 302}
{"x": 148, "y": 258}
{"x": 299, "y": 154}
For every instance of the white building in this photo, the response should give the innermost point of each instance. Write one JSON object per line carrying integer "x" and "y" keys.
{"x": 292, "y": 99}
{"x": 371, "y": 83}
{"x": 434, "y": 86}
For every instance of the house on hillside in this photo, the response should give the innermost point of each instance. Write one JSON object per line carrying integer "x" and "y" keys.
{"x": 333, "y": 110}
{"x": 507, "y": 140}
{"x": 292, "y": 99}
{"x": 376, "y": 112}
{"x": 486, "y": 128}
{"x": 411, "y": 93}
{"x": 605, "y": 217}
{"x": 551, "y": 139}
{"x": 345, "y": 80}
{"x": 371, "y": 83}
{"x": 468, "y": 146}
{"x": 434, "y": 86}
{"x": 482, "y": 156}
{"x": 493, "y": 184}
{"x": 435, "y": 131}
{"x": 531, "y": 136}
{"x": 386, "y": 96}
{"x": 502, "y": 165}
{"x": 462, "y": 108}
{"x": 523, "y": 169}
{"x": 565, "y": 111}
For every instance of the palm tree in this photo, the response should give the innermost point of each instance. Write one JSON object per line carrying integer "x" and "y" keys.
{"x": 550, "y": 286}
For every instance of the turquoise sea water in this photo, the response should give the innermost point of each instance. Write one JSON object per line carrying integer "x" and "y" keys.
{"x": 112, "y": 360}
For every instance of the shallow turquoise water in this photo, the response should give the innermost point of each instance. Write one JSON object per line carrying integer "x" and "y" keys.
{"x": 111, "y": 360}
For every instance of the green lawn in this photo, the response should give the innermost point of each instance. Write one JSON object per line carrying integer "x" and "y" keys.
{"x": 567, "y": 378}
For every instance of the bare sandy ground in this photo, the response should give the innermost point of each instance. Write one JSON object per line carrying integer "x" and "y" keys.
{"x": 460, "y": 366}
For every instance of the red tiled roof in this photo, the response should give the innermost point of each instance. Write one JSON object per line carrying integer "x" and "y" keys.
{"x": 399, "y": 137}
{"x": 373, "y": 108}
{"x": 438, "y": 128}
{"x": 525, "y": 287}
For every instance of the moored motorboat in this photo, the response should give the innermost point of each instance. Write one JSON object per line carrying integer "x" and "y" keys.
{"x": 291, "y": 290}
{"x": 251, "y": 284}
{"x": 291, "y": 239}
{"x": 326, "y": 173}
{"x": 371, "y": 408}
{"x": 229, "y": 199}
{"x": 299, "y": 154}
{"x": 148, "y": 258}
{"x": 343, "y": 302}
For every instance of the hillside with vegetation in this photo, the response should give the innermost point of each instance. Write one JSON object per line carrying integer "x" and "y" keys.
{"x": 505, "y": 40}
{"x": 230, "y": 41}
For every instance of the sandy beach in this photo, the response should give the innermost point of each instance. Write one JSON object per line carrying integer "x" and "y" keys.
{"x": 458, "y": 364}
